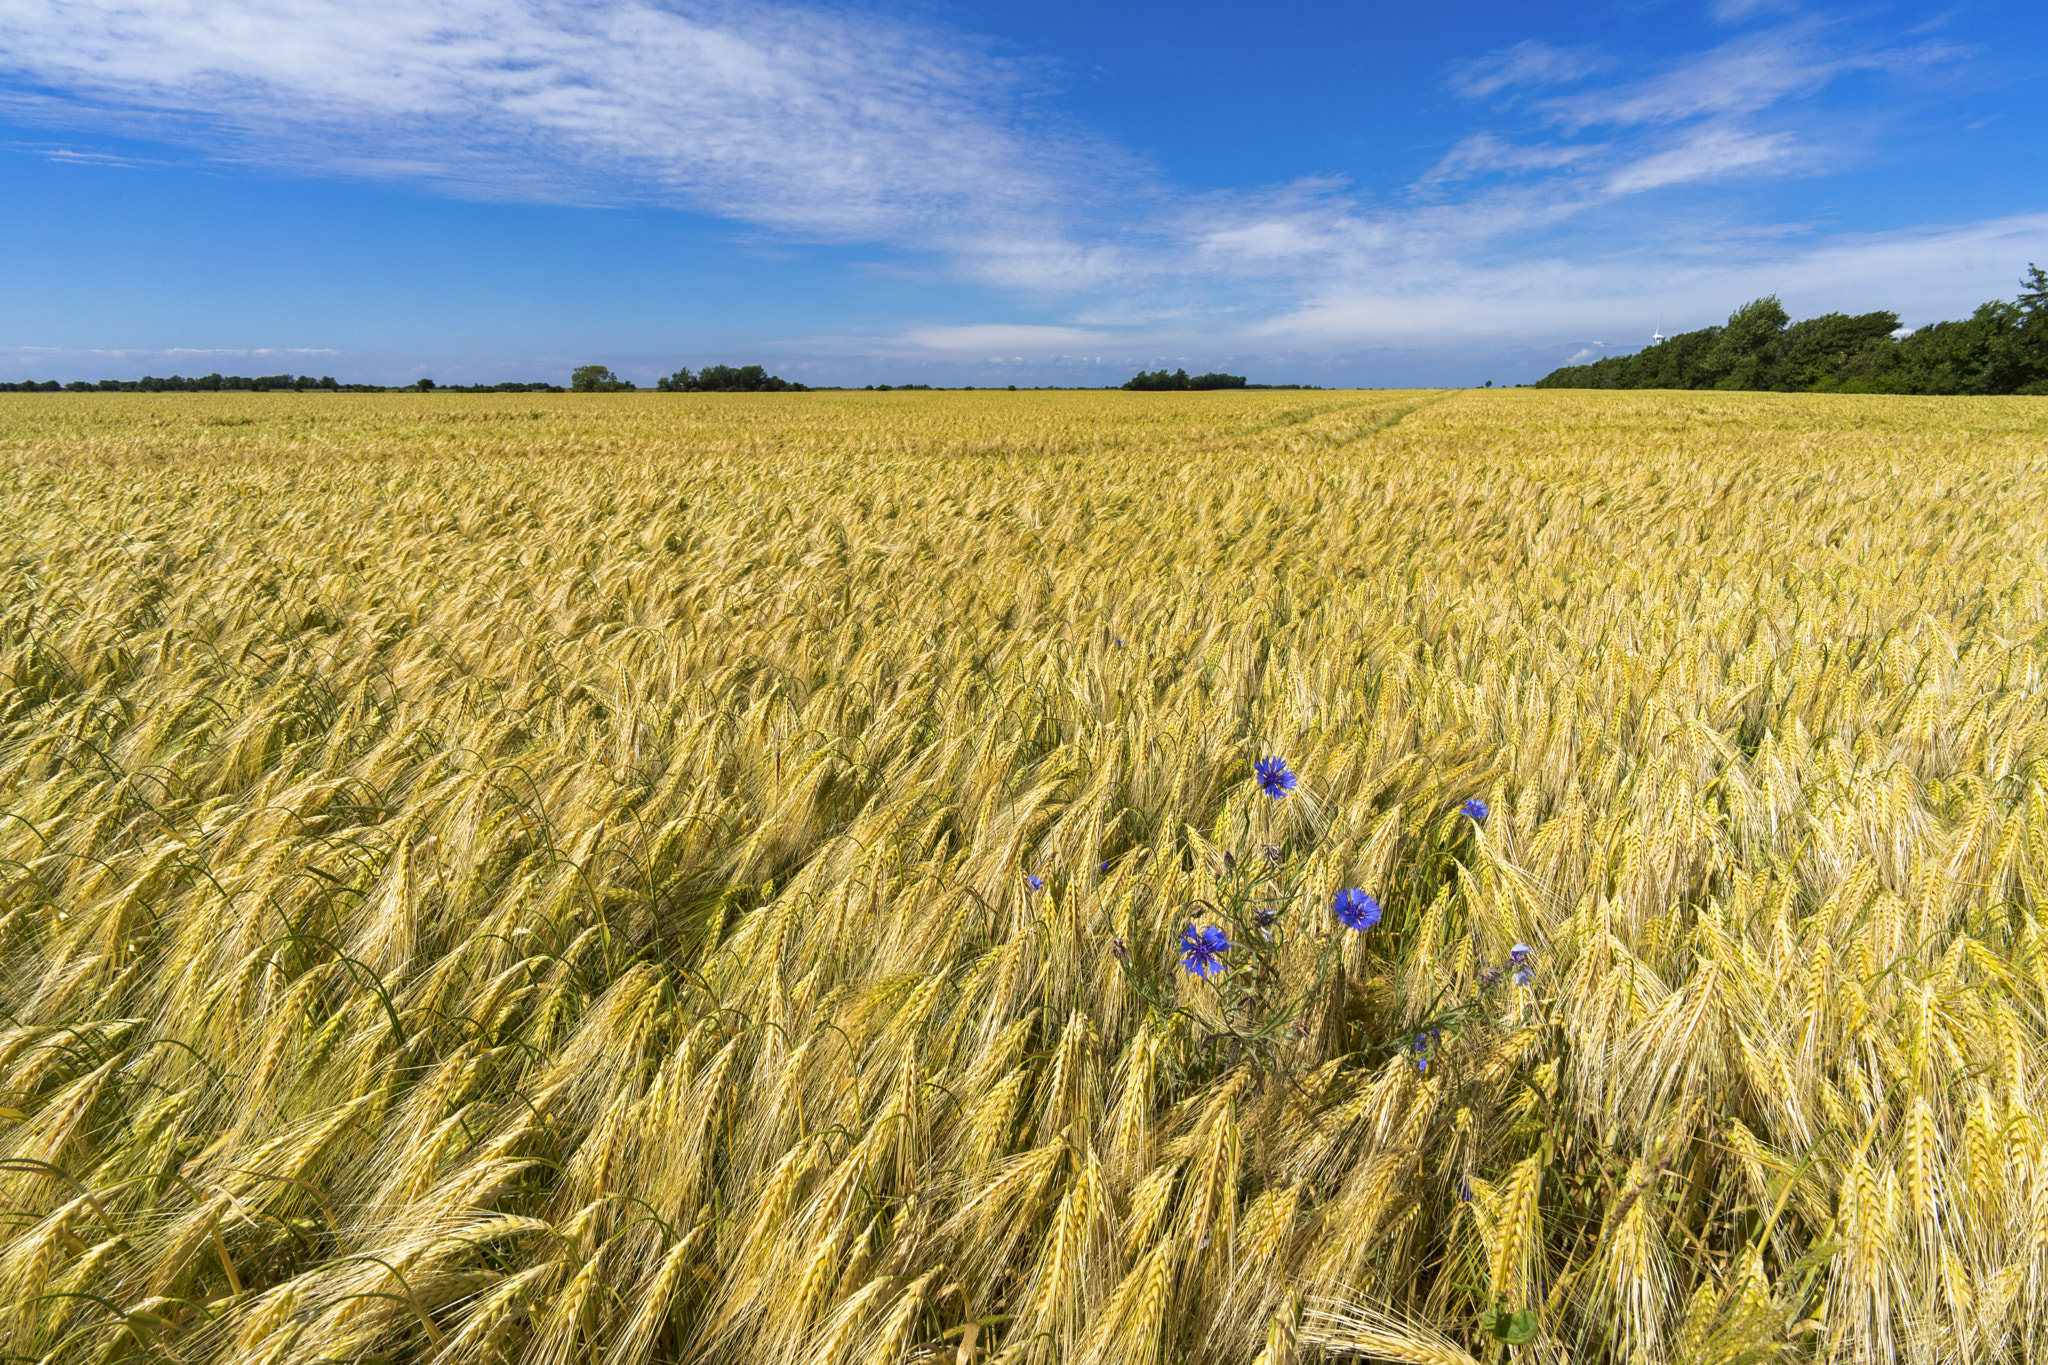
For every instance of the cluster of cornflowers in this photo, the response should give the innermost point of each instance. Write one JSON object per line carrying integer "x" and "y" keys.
{"x": 1251, "y": 1014}
{"x": 1202, "y": 948}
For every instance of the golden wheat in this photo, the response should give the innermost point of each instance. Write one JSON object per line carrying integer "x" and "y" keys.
{"x": 545, "y": 879}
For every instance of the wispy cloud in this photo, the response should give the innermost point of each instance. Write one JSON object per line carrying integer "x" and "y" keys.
{"x": 66, "y": 154}
{"x": 1696, "y": 278}
{"x": 1735, "y": 11}
{"x": 1527, "y": 63}
{"x": 1483, "y": 153}
{"x": 1702, "y": 117}
{"x": 819, "y": 124}
{"x": 1712, "y": 151}
{"x": 170, "y": 352}
{"x": 45, "y": 362}
{"x": 1001, "y": 336}
{"x": 1743, "y": 76}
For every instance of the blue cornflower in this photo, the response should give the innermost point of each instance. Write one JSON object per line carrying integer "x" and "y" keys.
{"x": 1520, "y": 954}
{"x": 1525, "y": 977}
{"x": 1356, "y": 910}
{"x": 1423, "y": 1043}
{"x": 1274, "y": 778}
{"x": 1033, "y": 882}
{"x": 1465, "y": 1195}
{"x": 1475, "y": 808}
{"x": 1202, "y": 950}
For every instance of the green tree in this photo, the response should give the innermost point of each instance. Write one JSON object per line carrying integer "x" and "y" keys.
{"x": 2033, "y": 298}
{"x": 596, "y": 379}
{"x": 2033, "y": 338}
{"x": 1819, "y": 353}
{"x": 1748, "y": 347}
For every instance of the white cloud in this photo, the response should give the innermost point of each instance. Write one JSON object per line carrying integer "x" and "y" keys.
{"x": 1447, "y": 303}
{"x": 1739, "y": 77}
{"x": 1733, "y": 110}
{"x": 992, "y": 336}
{"x": 1527, "y": 63}
{"x": 48, "y": 362}
{"x": 170, "y": 352}
{"x": 1712, "y": 151}
{"x": 1735, "y": 11}
{"x": 1482, "y": 153}
{"x": 832, "y": 126}
{"x": 78, "y": 156}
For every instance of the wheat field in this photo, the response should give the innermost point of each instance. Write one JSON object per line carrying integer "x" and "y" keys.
{"x": 703, "y": 879}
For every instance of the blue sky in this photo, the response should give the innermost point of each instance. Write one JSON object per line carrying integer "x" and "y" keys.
{"x": 985, "y": 193}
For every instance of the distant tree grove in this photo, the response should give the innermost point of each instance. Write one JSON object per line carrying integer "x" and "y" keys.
{"x": 727, "y": 379}
{"x": 2001, "y": 348}
{"x": 1154, "y": 380}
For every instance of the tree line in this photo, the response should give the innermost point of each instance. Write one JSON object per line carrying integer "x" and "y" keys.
{"x": 2001, "y": 348}
{"x": 229, "y": 383}
{"x": 585, "y": 379}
